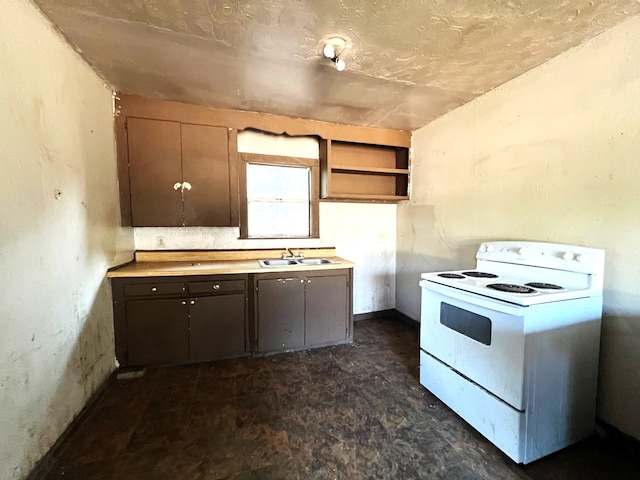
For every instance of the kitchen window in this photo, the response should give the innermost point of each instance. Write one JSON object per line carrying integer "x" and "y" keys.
{"x": 278, "y": 197}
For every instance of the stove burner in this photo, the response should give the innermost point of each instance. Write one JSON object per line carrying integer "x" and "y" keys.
{"x": 511, "y": 288}
{"x": 450, "y": 275}
{"x": 480, "y": 274}
{"x": 542, "y": 285}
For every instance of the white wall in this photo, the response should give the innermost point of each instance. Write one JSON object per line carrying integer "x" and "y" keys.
{"x": 362, "y": 233}
{"x": 550, "y": 156}
{"x": 58, "y": 236}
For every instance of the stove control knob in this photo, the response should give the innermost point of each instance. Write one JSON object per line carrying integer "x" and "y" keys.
{"x": 524, "y": 251}
{"x": 581, "y": 257}
{"x": 568, "y": 256}
{"x": 490, "y": 248}
{"x": 482, "y": 248}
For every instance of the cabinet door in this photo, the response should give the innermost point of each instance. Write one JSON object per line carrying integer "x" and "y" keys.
{"x": 280, "y": 314}
{"x": 326, "y": 309}
{"x": 154, "y": 169}
{"x": 157, "y": 332}
{"x": 217, "y": 327}
{"x": 205, "y": 168}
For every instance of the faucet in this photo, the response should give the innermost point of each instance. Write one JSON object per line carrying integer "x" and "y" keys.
{"x": 291, "y": 255}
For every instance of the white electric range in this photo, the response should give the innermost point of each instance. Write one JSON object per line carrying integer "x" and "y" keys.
{"x": 512, "y": 346}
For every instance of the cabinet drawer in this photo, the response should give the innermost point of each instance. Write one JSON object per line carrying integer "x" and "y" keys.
{"x": 220, "y": 286}
{"x": 153, "y": 289}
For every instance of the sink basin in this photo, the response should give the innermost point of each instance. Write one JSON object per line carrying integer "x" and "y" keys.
{"x": 314, "y": 261}
{"x": 286, "y": 262}
{"x": 277, "y": 263}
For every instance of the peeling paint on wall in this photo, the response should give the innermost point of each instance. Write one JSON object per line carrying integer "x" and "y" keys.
{"x": 59, "y": 235}
{"x": 551, "y": 156}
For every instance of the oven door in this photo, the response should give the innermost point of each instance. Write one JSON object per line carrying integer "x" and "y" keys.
{"x": 479, "y": 337}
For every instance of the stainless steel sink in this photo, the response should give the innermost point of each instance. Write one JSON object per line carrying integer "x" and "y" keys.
{"x": 277, "y": 263}
{"x": 287, "y": 262}
{"x": 314, "y": 261}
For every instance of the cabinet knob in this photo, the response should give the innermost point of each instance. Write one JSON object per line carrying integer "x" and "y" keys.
{"x": 177, "y": 186}
{"x": 184, "y": 303}
{"x": 192, "y": 302}
{"x": 186, "y": 186}
{"x": 154, "y": 289}
{"x": 216, "y": 286}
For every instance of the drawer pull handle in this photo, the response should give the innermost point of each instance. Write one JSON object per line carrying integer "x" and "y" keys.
{"x": 154, "y": 289}
{"x": 216, "y": 286}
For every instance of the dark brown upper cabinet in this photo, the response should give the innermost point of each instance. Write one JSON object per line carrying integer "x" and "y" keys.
{"x": 179, "y": 174}
{"x": 178, "y": 163}
{"x": 205, "y": 167}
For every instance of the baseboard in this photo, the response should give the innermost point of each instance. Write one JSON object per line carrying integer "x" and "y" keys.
{"x": 406, "y": 319}
{"x": 621, "y": 440}
{"x": 48, "y": 460}
{"x": 390, "y": 313}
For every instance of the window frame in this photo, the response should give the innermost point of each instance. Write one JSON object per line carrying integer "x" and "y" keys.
{"x": 280, "y": 161}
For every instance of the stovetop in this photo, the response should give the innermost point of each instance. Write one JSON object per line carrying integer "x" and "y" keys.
{"x": 521, "y": 291}
{"x": 528, "y": 273}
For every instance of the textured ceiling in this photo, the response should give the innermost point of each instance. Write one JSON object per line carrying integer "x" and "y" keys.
{"x": 408, "y": 62}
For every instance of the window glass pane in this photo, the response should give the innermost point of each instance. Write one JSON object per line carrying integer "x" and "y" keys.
{"x": 273, "y": 219}
{"x": 278, "y": 201}
{"x": 269, "y": 181}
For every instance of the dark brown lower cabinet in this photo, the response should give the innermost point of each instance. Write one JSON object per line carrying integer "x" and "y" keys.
{"x": 309, "y": 309}
{"x": 173, "y": 320}
{"x": 216, "y": 327}
{"x": 326, "y": 310}
{"x": 280, "y": 313}
{"x": 157, "y": 331}
{"x": 199, "y": 318}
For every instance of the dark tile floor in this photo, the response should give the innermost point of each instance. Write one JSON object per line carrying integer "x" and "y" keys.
{"x": 347, "y": 412}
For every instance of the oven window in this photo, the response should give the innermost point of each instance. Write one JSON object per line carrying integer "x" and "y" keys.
{"x": 465, "y": 322}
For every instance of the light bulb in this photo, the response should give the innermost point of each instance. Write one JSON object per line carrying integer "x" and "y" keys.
{"x": 339, "y": 64}
{"x": 329, "y": 51}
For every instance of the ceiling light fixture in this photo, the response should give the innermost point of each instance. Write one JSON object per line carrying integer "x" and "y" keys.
{"x": 333, "y": 48}
{"x": 329, "y": 51}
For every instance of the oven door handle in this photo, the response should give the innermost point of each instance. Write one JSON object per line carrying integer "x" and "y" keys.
{"x": 473, "y": 298}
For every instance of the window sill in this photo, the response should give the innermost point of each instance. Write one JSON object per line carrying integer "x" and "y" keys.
{"x": 316, "y": 237}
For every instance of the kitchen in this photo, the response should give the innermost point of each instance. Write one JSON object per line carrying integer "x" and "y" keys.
{"x": 549, "y": 156}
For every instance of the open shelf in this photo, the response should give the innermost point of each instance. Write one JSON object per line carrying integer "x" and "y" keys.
{"x": 370, "y": 170}
{"x": 367, "y": 197}
{"x": 363, "y": 172}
